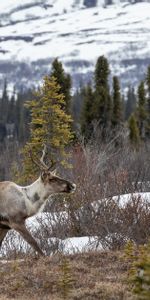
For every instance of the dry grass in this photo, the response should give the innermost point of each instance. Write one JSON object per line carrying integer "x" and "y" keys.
{"x": 98, "y": 275}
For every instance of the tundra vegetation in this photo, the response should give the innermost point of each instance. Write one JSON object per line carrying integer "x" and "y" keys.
{"x": 98, "y": 138}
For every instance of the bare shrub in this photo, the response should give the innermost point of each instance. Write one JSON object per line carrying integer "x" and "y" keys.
{"x": 100, "y": 172}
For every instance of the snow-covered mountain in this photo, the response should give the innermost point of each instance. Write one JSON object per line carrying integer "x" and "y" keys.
{"x": 34, "y": 32}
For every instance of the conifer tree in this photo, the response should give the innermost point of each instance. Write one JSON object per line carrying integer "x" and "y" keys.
{"x": 141, "y": 110}
{"x": 11, "y": 109}
{"x": 87, "y": 112}
{"x": 139, "y": 270}
{"x": 66, "y": 280}
{"x": 22, "y": 117}
{"x": 76, "y": 106}
{"x": 148, "y": 102}
{"x": 4, "y": 104}
{"x": 101, "y": 73}
{"x": 102, "y": 104}
{"x": 117, "y": 115}
{"x": 134, "y": 134}
{"x": 148, "y": 84}
{"x": 49, "y": 125}
{"x": 130, "y": 103}
{"x": 64, "y": 80}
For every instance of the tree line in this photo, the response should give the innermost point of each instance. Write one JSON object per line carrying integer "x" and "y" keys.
{"x": 105, "y": 106}
{"x": 13, "y": 112}
{"x": 51, "y": 114}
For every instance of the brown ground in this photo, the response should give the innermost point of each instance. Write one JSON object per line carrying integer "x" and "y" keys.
{"x": 96, "y": 275}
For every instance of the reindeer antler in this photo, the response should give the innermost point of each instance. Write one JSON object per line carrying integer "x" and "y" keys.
{"x": 44, "y": 151}
{"x": 42, "y": 164}
{"x": 34, "y": 160}
{"x": 43, "y": 156}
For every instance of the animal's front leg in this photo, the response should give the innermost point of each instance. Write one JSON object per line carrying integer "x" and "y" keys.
{"x": 21, "y": 228}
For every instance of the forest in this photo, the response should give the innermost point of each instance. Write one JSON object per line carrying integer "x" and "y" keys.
{"x": 99, "y": 138}
{"x": 98, "y": 110}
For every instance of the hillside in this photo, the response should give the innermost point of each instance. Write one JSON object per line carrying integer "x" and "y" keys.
{"x": 33, "y": 32}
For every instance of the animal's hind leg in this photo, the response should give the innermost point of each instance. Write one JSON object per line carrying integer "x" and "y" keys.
{"x": 3, "y": 232}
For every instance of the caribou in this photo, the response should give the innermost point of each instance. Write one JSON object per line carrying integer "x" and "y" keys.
{"x": 17, "y": 203}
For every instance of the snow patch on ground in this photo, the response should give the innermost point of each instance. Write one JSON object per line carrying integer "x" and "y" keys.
{"x": 123, "y": 200}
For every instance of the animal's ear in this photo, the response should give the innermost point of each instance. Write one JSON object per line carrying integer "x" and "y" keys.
{"x": 54, "y": 172}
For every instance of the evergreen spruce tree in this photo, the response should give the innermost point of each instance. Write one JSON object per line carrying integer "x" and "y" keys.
{"x": 102, "y": 105}
{"x": 87, "y": 112}
{"x": 141, "y": 110}
{"x": 11, "y": 109}
{"x": 4, "y": 104}
{"x": 117, "y": 115}
{"x": 148, "y": 102}
{"x": 20, "y": 120}
{"x": 76, "y": 106}
{"x": 64, "y": 80}
{"x": 123, "y": 106}
{"x": 66, "y": 281}
{"x": 139, "y": 270}
{"x": 22, "y": 115}
{"x": 134, "y": 134}
{"x": 49, "y": 125}
{"x": 101, "y": 73}
{"x": 148, "y": 84}
{"x": 130, "y": 103}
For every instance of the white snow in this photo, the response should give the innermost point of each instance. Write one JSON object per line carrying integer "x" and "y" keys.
{"x": 81, "y": 244}
{"x": 123, "y": 200}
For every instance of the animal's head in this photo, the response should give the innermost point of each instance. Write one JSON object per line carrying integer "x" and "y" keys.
{"x": 56, "y": 184}
{"x": 52, "y": 182}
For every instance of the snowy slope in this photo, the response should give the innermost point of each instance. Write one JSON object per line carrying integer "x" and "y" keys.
{"x": 34, "y": 32}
